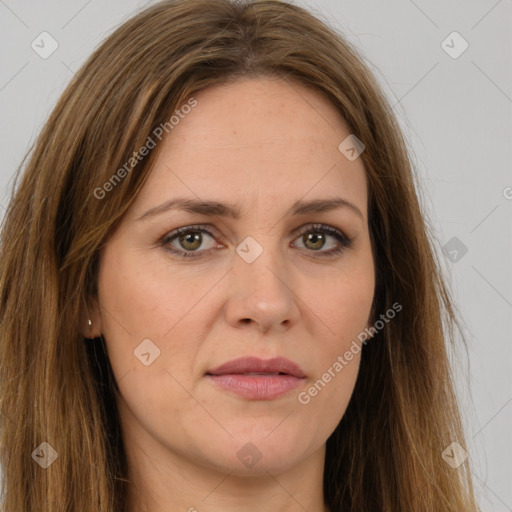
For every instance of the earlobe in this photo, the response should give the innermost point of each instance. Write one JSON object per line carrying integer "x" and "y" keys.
{"x": 92, "y": 320}
{"x": 87, "y": 332}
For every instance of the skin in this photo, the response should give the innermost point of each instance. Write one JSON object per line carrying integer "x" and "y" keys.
{"x": 262, "y": 144}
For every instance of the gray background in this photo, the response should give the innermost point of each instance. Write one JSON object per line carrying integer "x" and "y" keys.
{"x": 455, "y": 113}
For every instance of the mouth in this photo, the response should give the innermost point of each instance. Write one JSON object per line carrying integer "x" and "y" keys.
{"x": 253, "y": 378}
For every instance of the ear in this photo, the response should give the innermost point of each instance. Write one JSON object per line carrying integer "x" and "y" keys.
{"x": 91, "y": 312}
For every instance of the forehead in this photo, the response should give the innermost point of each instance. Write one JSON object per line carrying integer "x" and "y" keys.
{"x": 260, "y": 111}
{"x": 264, "y": 136}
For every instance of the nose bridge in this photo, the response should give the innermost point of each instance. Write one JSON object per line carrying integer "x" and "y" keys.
{"x": 259, "y": 262}
{"x": 261, "y": 291}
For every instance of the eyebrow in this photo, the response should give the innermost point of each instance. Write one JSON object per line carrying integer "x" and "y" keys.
{"x": 215, "y": 208}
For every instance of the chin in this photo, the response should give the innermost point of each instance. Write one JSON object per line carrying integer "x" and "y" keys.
{"x": 258, "y": 453}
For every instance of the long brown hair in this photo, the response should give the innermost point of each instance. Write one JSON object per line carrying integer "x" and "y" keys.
{"x": 385, "y": 454}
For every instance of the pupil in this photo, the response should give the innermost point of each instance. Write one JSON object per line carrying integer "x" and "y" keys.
{"x": 191, "y": 238}
{"x": 315, "y": 239}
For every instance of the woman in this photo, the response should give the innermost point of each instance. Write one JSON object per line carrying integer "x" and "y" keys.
{"x": 219, "y": 285}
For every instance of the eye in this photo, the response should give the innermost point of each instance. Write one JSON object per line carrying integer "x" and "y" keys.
{"x": 314, "y": 237}
{"x": 190, "y": 239}
{"x": 186, "y": 241}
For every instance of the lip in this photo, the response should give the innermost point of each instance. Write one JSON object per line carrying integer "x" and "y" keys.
{"x": 277, "y": 377}
{"x": 253, "y": 364}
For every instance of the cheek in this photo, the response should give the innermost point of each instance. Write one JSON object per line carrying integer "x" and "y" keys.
{"x": 343, "y": 308}
{"x": 329, "y": 391}
{"x": 137, "y": 309}
{"x": 344, "y": 304}
{"x": 145, "y": 308}
{"x": 137, "y": 296}
{"x": 143, "y": 313}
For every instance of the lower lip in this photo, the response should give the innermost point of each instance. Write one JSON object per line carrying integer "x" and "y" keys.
{"x": 257, "y": 387}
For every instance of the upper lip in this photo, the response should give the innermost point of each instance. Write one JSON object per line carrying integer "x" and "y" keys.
{"x": 257, "y": 365}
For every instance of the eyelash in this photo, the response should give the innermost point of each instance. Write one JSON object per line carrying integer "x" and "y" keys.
{"x": 344, "y": 241}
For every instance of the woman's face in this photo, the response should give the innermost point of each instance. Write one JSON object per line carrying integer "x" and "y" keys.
{"x": 265, "y": 284}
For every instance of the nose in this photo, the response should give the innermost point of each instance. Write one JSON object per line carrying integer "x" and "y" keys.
{"x": 262, "y": 293}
